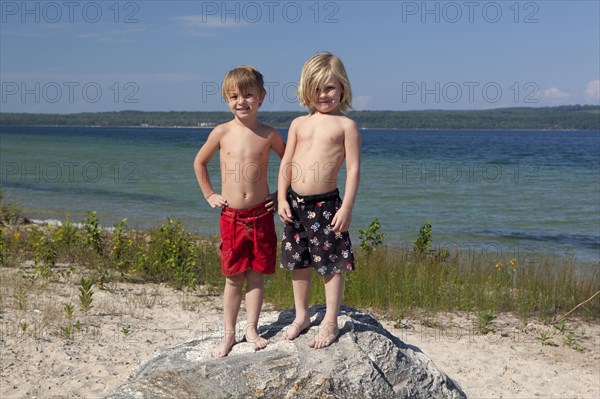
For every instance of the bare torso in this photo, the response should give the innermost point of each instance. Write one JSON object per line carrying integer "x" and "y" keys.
{"x": 244, "y": 159}
{"x": 319, "y": 154}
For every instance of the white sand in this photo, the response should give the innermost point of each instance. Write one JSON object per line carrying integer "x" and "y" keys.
{"x": 129, "y": 322}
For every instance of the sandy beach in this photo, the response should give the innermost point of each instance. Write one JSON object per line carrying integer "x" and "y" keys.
{"x": 45, "y": 355}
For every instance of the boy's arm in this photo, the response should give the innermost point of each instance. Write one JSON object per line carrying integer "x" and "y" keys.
{"x": 285, "y": 176}
{"x": 343, "y": 217}
{"x": 204, "y": 155}
{"x": 278, "y": 146}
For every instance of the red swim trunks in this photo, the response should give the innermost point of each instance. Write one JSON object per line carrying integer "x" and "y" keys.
{"x": 248, "y": 240}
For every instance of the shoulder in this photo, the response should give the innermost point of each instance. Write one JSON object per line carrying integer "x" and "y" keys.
{"x": 299, "y": 121}
{"x": 215, "y": 138}
{"x": 269, "y": 132}
{"x": 351, "y": 132}
{"x": 221, "y": 130}
{"x": 348, "y": 125}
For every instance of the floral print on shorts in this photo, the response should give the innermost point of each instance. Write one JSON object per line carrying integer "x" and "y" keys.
{"x": 310, "y": 240}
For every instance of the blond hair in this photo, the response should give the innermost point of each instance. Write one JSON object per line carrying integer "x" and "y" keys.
{"x": 318, "y": 68}
{"x": 243, "y": 78}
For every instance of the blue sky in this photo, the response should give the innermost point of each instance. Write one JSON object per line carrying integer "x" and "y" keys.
{"x": 89, "y": 56}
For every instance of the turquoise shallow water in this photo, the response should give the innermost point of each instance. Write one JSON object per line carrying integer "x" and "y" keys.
{"x": 509, "y": 193}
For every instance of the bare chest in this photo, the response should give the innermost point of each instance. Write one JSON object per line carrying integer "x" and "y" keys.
{"x": 320, "y": 137}
{"x": 244, "y": 149}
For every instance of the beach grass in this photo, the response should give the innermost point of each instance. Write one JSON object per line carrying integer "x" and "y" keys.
{"x": 398, "y": 282}
{"x": 391, "y": 281}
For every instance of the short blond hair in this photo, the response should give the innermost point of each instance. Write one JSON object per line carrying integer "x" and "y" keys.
{"x": 318, "y": 68}
{"x": 243, "y": 78}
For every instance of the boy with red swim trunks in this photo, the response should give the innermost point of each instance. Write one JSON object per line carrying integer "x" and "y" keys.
{"x": 248, "y": 238}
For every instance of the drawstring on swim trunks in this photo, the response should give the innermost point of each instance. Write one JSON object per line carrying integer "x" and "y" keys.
{"x": 254, "y": 219}
{"x": 242, "y": 217}
{"x": 233, "y": 229}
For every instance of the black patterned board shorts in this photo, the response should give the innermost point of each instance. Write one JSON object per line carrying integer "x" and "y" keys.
{"x": 310, "y": 241}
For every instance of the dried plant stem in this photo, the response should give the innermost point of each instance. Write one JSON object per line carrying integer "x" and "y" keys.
{"x": 575, "y": 308}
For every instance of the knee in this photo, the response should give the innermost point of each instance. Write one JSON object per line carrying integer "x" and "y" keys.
{"x": 235, "y": 281}
{"x": 336, "y": 278}
{"x": 254, "y": 278}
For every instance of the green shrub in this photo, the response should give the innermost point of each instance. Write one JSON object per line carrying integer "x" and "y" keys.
{"x": 371, "y": 238}
{"x": 93, "y": 232}
{"x": 423, "y": 242}
{"x": 170, "y": 255}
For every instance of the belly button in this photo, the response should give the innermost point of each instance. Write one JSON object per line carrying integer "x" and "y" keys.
{"x": 245, "y": 195}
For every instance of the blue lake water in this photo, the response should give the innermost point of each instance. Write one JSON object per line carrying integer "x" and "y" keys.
{"x": 509, "y": 193}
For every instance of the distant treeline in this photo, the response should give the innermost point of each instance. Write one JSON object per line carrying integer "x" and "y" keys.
{"x": 579, "y": 117}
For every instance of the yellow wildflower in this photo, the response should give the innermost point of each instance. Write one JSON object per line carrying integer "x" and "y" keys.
{"x": 498, "y": 265}
{"x": 513, "y": 265}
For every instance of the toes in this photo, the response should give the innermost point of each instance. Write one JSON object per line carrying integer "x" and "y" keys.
{"x": 224, "y": 347}
{"x": 260, "y": 343}
{"x": 287, "y": 334}
{"x": 254, "y": 338}
{"x": 294, "y": 330}
{"x": 220, "y": 352}
{"x": 326, "y": 335}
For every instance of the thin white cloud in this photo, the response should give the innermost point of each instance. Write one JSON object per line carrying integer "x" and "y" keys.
{"x": 592, "y": 90}
{"x": 360, "y": 103}
{"x": 554, "y": 93}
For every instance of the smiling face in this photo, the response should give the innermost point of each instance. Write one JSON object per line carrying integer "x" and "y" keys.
{"x": 244, "y": 104}
{"x": 328, "y": 95}
{"x": 324, "y": 83}
{"x": 243, "y": 90}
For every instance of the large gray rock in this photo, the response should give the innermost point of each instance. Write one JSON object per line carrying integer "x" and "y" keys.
{"x": 366, "y": 361}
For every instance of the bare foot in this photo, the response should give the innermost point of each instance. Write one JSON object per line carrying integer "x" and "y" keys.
{"x": 328, "y": 332}
{"x": 255, "y": 339}
{"x": 224, "y": 346}
{"x": 297, "y": 327}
